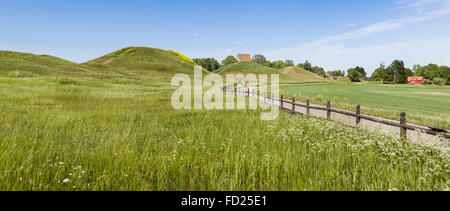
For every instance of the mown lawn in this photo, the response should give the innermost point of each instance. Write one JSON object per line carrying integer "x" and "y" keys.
{"x": 122, "y": 134}
{"x": 423, "y": 105}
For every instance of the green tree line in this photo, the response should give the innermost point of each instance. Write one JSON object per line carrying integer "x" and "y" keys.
{"x": 396, "y": 73}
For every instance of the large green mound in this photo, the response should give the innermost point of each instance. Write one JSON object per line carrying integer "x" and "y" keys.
{"x": 300, "y": 73}
{"x": 142, "y": 60}
{"x": 15, "y": 64}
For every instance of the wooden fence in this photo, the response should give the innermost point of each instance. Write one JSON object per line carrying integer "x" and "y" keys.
{"x": 290, "y": 105}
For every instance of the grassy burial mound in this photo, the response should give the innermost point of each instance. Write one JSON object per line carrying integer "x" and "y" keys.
{"x": 300, "y": 73}
{"x": 246, "y": 68}
{"x": 254, "y": 68}
{"x": 144, "y": 61}
{"x": 14, "y": 64}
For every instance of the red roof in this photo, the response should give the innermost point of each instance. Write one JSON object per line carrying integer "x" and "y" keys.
{"x": 327, "y": 74}
{"x": 244, "y": 58}
{"x": 415, "y": 80}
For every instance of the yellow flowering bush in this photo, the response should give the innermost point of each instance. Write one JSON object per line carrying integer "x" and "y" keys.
{"x": 319, "y": 97}
{"x": 131, "y": 50}
{"x": 336, "y": 98}
{"x": 185, "y": 58}
{"x": 118, "y": 52}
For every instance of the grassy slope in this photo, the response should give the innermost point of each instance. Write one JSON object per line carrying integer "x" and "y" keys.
{"x": 249, "y": 67}
{"x": 14, "y": 64}
{"x": 301, "y": 74}
{"x": 143, "y": 61}
{"x": 121, "y": 133}
{"x": 424, "y": 106}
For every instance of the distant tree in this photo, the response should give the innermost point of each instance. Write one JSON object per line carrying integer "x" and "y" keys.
{"x": 416, "y": 68}
{"x": 357, "y": 74}
{"x": 289, "y": 62}
{"x": 268, "y": 64}
{"x": 318, "y": 70}
{"x": 210, "y": 64}
{"x": 445, "y": 73}
{"x": 336, "y": 73}
{"x": 259, "y": 59}
{"x": 229, "y": 60}
{"x": 430, "y": 72}
{"x": 307, "y": 66}
{"x": 409, "y": 73}
{"x": 362, "y": 71}
{"x": 379, "y": 74}
{"x": 279, "y": 64}
{"x": 301, "y": 65}
{"x": 398, "y": 69}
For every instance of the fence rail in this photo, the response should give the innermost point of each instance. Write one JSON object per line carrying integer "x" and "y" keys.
{"x": 401, "y": 124}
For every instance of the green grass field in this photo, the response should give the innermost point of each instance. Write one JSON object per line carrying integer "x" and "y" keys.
{"x": 424, "y": 106}
{"x": 113, "y": 128}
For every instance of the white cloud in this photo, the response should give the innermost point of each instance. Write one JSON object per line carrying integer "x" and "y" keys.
{"x": 417, "y": 3}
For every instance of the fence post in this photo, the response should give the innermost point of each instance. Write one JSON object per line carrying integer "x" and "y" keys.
{"x": 248, "y": 92}
{"x": 328, "y": 110}
{"x": 358, "y": 112}
{"x": 293, "y": 105}
{"x": 308, "y": 111}
{"x": 403, "y": 123}
{"x": 281, "y": 101}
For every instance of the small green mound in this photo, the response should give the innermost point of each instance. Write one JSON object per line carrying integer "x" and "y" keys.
{"x": 254, "y": 68}
{"x": 300, "y": 73}
{"x": 246, "y": 68}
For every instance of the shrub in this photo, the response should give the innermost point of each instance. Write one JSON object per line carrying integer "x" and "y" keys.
{"x": 118, "y": 52}
{"x": 427, "y": 81}
{"x": 336, "y": 98}
{"x": 131, "y": 50}
{"x": 440, "y": 81}
{"x": 319, "y": 97}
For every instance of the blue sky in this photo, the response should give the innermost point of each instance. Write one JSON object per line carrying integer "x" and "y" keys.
{"x": 335, "y": 34}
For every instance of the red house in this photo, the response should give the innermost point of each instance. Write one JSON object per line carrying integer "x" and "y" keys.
{"x": 415, "y": 80}
{"x": 244, "y": 58}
